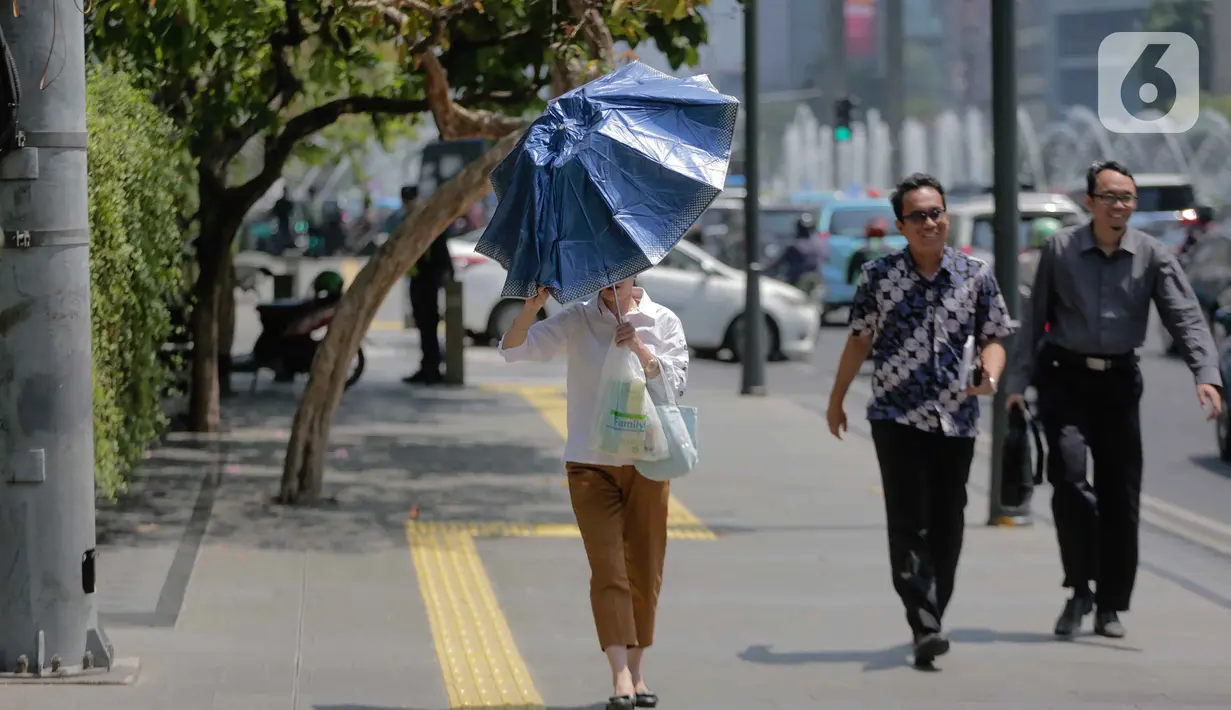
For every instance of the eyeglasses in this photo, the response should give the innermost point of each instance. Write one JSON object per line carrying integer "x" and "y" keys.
{"x": 921, "y": 216}
{"x": 1111, "y": 199}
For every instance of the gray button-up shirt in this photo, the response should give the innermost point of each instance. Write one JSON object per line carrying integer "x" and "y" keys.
{"x": 1099, "y": 304}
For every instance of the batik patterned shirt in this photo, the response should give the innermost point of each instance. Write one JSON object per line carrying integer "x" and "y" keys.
{"x": 919, "y": 328}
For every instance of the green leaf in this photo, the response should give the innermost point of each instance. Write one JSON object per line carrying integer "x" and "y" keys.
{"x": 136, "y": 189}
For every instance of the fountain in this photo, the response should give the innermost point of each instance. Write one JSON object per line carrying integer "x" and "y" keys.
{"x": 956, "y": 147}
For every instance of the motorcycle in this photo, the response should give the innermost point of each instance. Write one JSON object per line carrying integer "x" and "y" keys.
{"x": 286, "y": 344}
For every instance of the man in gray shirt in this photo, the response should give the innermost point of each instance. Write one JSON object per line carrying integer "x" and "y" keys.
{"x": 1089, "y": 309}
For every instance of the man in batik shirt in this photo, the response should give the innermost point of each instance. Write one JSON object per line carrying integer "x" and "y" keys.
{"x": 913, "y": 312}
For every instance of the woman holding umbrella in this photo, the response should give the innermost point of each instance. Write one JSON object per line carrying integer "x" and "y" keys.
{"x": 600, "y": 188}
{"x": 622, "y": 515}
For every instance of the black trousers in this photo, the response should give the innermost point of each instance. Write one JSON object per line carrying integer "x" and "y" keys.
{"x": 924, "y": 480}
{"x": 1098, "y": 412}
{"x": 425, "y": 309}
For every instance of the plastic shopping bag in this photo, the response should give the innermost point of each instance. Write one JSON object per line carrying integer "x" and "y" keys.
{"x": 680, "y": 428}
{"x": 626, "y": 423}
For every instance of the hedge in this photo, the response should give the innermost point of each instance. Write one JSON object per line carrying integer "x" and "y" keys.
{"x": 136, "y": 188}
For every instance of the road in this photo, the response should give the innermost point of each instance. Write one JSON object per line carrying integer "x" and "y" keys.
{"x": 1181, "y": 454}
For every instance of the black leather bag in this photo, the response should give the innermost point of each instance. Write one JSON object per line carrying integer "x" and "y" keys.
{"x": 1023, "y": 459}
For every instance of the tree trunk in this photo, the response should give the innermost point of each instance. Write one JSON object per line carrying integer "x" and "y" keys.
{"x": 214, "y": 260}
{"x": 226, "y": 324}
{"x": 304, "y": 468}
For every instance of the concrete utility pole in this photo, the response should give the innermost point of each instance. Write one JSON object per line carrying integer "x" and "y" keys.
{"x": 1005, "y": 165}
{"x": 894, "y": 80}
{"x": 48, "y": 618}
{"x": 753, "y": 356}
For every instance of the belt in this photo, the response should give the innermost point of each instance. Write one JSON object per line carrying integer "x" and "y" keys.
{"x": 1097, "y": 363}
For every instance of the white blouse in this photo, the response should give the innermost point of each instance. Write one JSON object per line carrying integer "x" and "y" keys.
{"x": 586, "y": 331}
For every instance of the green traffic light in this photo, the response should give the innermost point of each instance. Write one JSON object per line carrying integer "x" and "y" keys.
{"x": 842, "y": 133}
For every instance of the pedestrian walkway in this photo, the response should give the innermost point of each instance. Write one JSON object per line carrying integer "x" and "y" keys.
{"x": 446, "y": 573}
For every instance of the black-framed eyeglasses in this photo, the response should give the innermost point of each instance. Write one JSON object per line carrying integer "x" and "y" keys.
{"x": 1111, "y": 199}
{"x": 921, "y": 216}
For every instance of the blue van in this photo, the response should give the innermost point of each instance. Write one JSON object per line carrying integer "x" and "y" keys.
{"x": 842, "y": 227}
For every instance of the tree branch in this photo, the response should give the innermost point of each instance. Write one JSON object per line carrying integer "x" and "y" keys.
{"x": 597, "y": 34}
{"x": 394, "y": 15}
{"x": 439, "y": 17}
{"x": 278, "y": 149}
{"x": 466, "y": 45}
{"x": 455, "y": 122}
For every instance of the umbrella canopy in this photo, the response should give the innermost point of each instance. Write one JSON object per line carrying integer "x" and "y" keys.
{"x": 607, "y": 180}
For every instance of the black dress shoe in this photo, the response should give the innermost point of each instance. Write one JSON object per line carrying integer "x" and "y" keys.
{"x": 424, "y": 377}
{"x": 1107, "y": 623}
{"x": 1075, "y": 610}
{"x": 647, "y": 700}
{"x": 622, "y": 702}
{"x": 928, "y": 646}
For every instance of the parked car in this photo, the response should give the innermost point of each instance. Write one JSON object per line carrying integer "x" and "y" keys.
{"x": 706, "y": 294}
{"x": 971, "y": 221}
{"x": 842, "y": 227}
{"x": 486, "y": 315}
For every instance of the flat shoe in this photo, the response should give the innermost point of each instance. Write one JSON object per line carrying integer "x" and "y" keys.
{"x": 647, "y": 700}
{"x": 621, "y": 702}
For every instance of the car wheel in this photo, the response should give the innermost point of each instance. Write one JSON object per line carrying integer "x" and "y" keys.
{"x": 735, "y": 339}
{"x": 356, "y": 369}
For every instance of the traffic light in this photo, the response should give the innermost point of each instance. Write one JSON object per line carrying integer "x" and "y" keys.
{"x": 844, "y": 109}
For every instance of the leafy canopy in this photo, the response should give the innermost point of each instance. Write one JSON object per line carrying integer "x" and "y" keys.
{"x": 284, "y": 69}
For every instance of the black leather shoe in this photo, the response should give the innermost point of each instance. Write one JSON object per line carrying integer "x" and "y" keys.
{"x": 928, "y": 646}
{"x": 1075, "y": 610}
{"x": 622, "y": 702}
{"x": 1107, "y": 623}
{"x": 647, "y": 700}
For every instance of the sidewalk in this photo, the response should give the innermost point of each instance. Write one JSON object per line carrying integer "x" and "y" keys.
{"x": 417, "y": 589}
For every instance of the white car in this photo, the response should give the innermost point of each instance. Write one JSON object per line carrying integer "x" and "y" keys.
{"x": 707, "y": 295}
{"x": 970, "y": 221}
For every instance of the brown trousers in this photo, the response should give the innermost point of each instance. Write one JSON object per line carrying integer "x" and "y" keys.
{"x": 622, "y": 516}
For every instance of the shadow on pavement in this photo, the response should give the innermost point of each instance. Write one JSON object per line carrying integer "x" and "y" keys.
{"x": 447, "y": 455}
{"x": 451, "y": 455}
{"x": 899, "y": 656}
{"x": 1213, "y": 464}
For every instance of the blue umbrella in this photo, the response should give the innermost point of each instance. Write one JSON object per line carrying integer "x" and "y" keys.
{"x": 607, "y": 180}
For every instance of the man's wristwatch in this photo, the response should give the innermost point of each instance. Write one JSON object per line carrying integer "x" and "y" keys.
{"x": 652, "y": 368}
{"x": 992, "y": 381}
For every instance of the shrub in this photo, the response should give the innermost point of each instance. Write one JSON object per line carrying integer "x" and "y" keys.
{"x": 136, "y": 250}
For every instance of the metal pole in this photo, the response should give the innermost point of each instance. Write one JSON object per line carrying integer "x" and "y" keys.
{"x": 894, "y": 111}
{"x": 1005, "y": 166}
{"x": 753, "y": 359}
{"x": 48, "y": 615}
{"x": 836, "y": 81}
{"x": 455, "y": 334}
